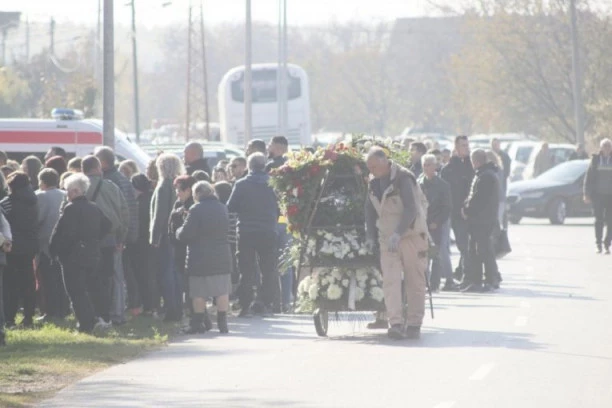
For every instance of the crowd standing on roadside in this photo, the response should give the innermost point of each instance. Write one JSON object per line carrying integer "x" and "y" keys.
{"x": 101, "y": 239}
{"x": 108, "y": 242}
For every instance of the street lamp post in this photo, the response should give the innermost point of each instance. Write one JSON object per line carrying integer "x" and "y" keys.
{"x": 135, "y": 68}
{"x": 577, "y": 75}
{"x": 108, "y": 114}
{"x": 248, "y": 79}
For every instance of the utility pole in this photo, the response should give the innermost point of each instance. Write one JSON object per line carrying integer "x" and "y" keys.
{"x": 108, "y": 115}
{"x": 281, "y": 73}
{"x": 27, "y": 44}
{"x": 197, "y": 77}
{"x": 577, "y": 75}
{"x": 189, "y": 46}
{"x": 135, "y": 69}
{"x": 204, "y": 69}
{"x": 248, "y": 77}
{"x": 52, "y": 37}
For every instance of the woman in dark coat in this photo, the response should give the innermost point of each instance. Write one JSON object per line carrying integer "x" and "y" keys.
{"x": 209, "y": 262}
{"x": 143, "y": 261}
{"x": 21, "y": 211}
{"x": 76, "y": 242}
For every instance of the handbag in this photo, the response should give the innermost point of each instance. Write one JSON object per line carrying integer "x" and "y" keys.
{"x": 502, "y": 245}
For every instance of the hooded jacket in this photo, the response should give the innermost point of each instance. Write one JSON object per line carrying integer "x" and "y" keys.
{"x": 113, "y": 205}
{"x": 21, "y": 210}
{"x": 255, "y": 203}
{"x": 130, "y": 197}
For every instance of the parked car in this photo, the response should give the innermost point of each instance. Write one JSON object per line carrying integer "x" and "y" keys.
{"x": 560, "y": 153}
{"x": 483, "y": 141}
{"x": 555, "y": 194}
{"x": 214, "y": 152}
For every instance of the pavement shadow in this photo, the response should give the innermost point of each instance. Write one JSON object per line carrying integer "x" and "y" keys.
{"x": 124, "y": 394}
{"x": 526, "y": 292}
{"x": 450, "y": 338}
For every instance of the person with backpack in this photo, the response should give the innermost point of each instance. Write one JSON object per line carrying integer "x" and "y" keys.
{"x": 75, "y": 241}
{"x": 110, "y": 200}
{"x": 396, "y": 209}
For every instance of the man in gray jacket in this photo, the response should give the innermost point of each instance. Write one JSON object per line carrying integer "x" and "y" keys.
{"x": 110, "y": 200}
{"x": 124, "y": 275}
{"x": 50, "y": 199}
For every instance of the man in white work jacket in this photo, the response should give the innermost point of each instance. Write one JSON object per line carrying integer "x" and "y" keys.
{"x": 396, "y": 208}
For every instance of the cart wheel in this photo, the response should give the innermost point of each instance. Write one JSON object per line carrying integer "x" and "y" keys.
{"x": 321, "y": 320}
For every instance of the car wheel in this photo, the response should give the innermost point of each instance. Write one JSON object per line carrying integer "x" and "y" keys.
{"x": 515, "y": 219}
{"x": 557, "y": 211}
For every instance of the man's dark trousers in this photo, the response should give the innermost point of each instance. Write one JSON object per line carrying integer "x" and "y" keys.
{"x": 602, "y": 209}
{"x": 76, "y": 279}
{"x": 481, "y": 253}
{"x": 56, "y": 300}
{"x": 101, "y": 283}
{"x": 254, "y": 246}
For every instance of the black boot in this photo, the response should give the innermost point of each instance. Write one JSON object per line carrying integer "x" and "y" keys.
{"x": 222, "y": 322}
{"x": 207, "y": 322}
{"x": 2, "y": 339}
{"x": 195, "y": 325}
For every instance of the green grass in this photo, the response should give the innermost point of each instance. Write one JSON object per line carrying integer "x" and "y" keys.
{"x": 37, "y": 363}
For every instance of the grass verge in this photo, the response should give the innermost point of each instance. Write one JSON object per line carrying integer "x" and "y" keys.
{"x": 37, "y": 363}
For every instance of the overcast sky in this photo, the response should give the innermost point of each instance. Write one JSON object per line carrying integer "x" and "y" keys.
{"x": 151, "y": 12}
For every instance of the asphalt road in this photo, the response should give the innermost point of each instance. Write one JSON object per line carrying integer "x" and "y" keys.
{"x": 543, "y": 340}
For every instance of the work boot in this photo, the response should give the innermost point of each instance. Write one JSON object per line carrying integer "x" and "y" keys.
{"x": 396, "y": 332}
{"x": 222, "y": 322}
{"x": 412, "y": 332}
{"x": 377, "y": 324}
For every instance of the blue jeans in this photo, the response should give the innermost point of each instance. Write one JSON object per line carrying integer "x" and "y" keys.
{"x": 284, "y": 240}
{"x": 441, "y": 265}
{"x": 168, "y": 278}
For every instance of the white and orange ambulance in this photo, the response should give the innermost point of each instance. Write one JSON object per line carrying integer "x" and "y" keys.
{"x": 79, "y": 137}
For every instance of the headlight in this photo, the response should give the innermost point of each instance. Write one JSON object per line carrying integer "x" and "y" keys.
{"x": 532, "y": 194}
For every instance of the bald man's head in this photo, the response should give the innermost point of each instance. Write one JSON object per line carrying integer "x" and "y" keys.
{"x": 193, "y": 151}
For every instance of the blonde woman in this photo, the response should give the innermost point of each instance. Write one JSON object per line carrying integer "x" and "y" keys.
{"x": 169, "y": 167}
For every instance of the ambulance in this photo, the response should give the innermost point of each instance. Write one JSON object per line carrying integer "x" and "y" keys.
{"x": 20, "y": 138}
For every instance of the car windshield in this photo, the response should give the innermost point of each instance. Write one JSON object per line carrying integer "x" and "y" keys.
{"x": 567, "y": 172}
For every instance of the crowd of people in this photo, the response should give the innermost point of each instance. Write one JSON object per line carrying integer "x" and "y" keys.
{"x": 101, "y": 239}
{"x": 106, "y": 241}
{"x": 409, "y": 209}
{"x": 466, "y": 194}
